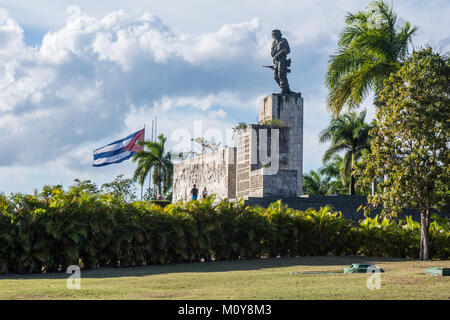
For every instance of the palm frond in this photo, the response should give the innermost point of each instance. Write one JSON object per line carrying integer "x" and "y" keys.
{"x": 366, "y": 56}
{"x": 154, "y": 157}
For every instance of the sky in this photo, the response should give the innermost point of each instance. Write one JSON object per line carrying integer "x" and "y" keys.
{"x": 77, "y": 75}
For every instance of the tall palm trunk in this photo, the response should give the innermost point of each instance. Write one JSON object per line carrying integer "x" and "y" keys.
{"x": 160, "y": 181}
{"x": 351, "y": 187}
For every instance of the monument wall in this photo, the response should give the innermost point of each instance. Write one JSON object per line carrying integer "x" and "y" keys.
{"x": 267, "y": 160}
{"x": 243, "y": 153}
{"x": 216, "y": 171}
{"x": 262, "y": 162}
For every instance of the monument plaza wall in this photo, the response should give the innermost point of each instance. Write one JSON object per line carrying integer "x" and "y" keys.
{"x": 216, "y": 171}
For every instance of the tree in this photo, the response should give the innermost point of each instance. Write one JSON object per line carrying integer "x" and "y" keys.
{"x": 49, "y": 191}
{"x": 149, "y": 194}
{"x": 326, "y": 179}
{"x": 154, "y": 156}
{"x": 372, "y": 46}
{"x": 337, "y": 182}
{"x": 314, "y": 183}
{"x": 121, "y": 188}
{"x": 80, "y": 187}
{"x": 347, "y": 133}
{"x": 411, "y": 144}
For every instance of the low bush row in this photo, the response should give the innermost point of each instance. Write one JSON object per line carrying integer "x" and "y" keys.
{"x": 47, "y": 233}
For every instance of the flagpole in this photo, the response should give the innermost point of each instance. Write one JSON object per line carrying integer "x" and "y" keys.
{"x": 150, "y": 174}
{"x": 153, "y": 128}
{"x": 142, "y": 185}
{"x": 156, "y": 136}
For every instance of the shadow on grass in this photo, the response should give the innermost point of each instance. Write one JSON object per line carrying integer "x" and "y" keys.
{"x": 216, "y": 266}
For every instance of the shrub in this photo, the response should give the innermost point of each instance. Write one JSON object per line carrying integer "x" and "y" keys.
{"x": 161, "y": 203}
{"x": 50, "y": 231}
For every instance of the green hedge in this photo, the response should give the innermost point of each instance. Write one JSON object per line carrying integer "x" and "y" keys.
{"x": 161, "y": 203}
{"x": 47, "y": 234}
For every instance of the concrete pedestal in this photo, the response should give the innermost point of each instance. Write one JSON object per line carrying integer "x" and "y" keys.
{"x": 270, "y": 154}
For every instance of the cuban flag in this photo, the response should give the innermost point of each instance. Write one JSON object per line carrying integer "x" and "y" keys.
{"x": 119, "y": 150}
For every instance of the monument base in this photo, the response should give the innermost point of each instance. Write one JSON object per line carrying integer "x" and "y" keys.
{"x": 267, "y": 161}
{"x": 270, "y": 154}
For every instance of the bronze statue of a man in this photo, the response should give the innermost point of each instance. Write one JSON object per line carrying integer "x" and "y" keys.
{"x": 280, "y": 50}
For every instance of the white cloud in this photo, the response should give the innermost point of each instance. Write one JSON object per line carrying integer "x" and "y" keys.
{"x": 218, "y": 114}
{"x": 80, "y": 83}
{"x": 20, "y": 78}
{"x": 102, "y": 73}
{"x": 123, "y": 38}
{"x": 204, "y": 103}
{"x": 11, "y": 34}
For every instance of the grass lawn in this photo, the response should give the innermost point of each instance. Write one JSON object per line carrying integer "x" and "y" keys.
{"x": 251, "y": 279}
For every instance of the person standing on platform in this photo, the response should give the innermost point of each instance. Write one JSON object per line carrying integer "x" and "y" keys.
{"x": 194, "y": 192}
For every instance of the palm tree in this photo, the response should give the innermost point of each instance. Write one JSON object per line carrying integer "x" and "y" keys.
{"x": 367, "y": 54}
{"x": 154, "y": 157}
{"x": 332, "y": 170}
{"x": 347, "y": 133}
{"x": 314, "y": 183}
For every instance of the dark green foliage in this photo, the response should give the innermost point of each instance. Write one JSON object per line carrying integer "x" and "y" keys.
{"x": 315, "y": 183}
{"x": 326, "y": 179}
{"x": 161, "y": 203}
{"x": 366, "y": 55}
{"x": 347, "y": 133}
{"x": 50, "y": 231}
{"x": 410, "y": 146}
{"x": 121, "y": 187}
{"x": 154, "y": 157}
